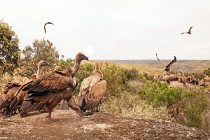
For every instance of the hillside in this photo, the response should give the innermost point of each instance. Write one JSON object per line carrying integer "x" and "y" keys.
{"x": 68, "y": 125}
{"x": 154, "y": 66}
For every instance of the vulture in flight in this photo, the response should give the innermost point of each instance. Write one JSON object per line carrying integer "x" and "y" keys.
{"x": 157, "y": 57}
{"x": 92, "y": 90}
{"x": 14, "y": 95}
{"x": 188, "y": 32}
{"x": 51, "y": 88}
{"x": 47, "y": 24}
{"x": 169, "y": 65}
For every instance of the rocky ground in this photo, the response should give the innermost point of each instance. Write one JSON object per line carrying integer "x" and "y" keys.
{"x": 100, "y": 126}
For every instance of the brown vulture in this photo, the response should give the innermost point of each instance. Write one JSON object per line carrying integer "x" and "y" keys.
{"x": 169, "y": 65}
{"x": 51, "y": 88}
{"x": 8, "y": 93}
{"x": 92, "y": 90}
{"x": 47, "y": 24}
{"x": 188, "y": 32}
{"x": 14, "y": 94}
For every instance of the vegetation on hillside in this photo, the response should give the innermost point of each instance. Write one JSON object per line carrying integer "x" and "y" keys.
{"x": 130, "y": 92}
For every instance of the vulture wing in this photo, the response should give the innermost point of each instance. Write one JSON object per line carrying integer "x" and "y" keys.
{"x": 88, "y": 83}
{"x": 169, "y": 65}
{"x": 157, "y": 57}
{"x": 96, "y": 95}
{"x": 49, "y": 83}
{"x": 190, "y": 29}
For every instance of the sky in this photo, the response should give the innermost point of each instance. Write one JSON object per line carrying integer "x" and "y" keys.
{"x": 114, "y": 29}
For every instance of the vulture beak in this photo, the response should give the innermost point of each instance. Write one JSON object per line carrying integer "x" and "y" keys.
{"x": 85, "y": 58}
{"x": 47, "y": 63}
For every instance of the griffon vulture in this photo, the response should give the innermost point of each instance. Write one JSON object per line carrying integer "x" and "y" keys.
{"x": 14, "y": 99}
{"x": 92, "y": 90}
{"x": 52, "y": 88}
{"x": 169, "y": 65}
{"x": 8, "y": 92}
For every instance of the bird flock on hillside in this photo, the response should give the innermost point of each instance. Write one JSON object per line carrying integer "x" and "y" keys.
{"x": 46, "y": 91}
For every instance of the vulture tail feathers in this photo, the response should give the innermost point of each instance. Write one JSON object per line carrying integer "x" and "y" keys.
{"x": 83, "y": 105}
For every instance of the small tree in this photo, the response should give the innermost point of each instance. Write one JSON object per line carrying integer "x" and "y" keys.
{"x": 41, "y": 50}
{"x": 9, "y": 49}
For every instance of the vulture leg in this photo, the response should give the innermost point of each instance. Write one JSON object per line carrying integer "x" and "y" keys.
{"x": 49, "y": 111}
{"x": 76, "y": 108}
{"x": 49, "y": 116}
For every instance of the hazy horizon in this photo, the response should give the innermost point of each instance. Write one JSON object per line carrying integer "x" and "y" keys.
{"x": 114, "y": 29}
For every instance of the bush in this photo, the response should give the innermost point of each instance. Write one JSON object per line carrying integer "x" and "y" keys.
{"x": 192, "y": 105}
{"x": 189, "y": 104}
{"x": 118, "y": 79}
{"x": 159, "y": 94}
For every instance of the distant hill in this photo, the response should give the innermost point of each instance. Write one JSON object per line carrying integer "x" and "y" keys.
{"x": 186, "y": 66}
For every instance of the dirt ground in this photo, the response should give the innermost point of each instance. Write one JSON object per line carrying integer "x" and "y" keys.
{"x": 66, "y": 124}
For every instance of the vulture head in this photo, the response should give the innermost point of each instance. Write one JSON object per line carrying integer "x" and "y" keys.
{"x": 80, "y": 56}
{"x": 43, "y": 63}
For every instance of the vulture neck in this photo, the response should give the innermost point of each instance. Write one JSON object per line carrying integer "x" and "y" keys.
{"x": 76, "y": 67}
{"x": 39, "y": 71}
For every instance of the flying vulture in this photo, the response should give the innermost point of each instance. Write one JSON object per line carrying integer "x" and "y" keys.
{"x": 188, "y": 32}
{"x": 47, "y": 24}
{"x": 157, "y": 57}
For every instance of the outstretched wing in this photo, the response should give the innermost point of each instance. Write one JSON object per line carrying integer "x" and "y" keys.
{"x": 169, "y": 65}
{"x": 190, "y": 29}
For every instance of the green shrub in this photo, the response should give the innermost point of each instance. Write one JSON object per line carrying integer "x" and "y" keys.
{"x": 118, "y": 79}
{"x": 159, "y": 94}
{"x": 190, "y": 104}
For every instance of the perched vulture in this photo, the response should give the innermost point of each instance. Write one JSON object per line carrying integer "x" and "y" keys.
{"x": 51, "y": 88}
{"x": 9, "y": 92}
{"x": 14, "y": 94}
{"x": 169, "y": 65}
{"x": 188, "y": 32}
{"x": 47, "y": 24}
{"x": 92, "y": 90}
{"x": 39, "y": 71}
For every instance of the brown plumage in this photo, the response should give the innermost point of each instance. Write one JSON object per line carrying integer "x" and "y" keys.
{"x": 9, "y": 94}
{"x": 169, "y": 65}
{"x": 52, "y": 88}
{"x": 14, "y": 99}
{"x": 92, "y": 90}
{"x": 188, "y": 32}
{"x": 47, "y": 24}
